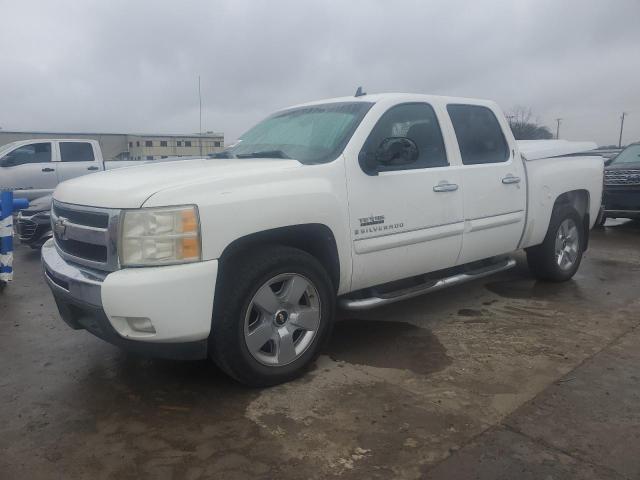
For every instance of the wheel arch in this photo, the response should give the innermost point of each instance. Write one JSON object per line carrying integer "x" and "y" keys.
{"x": 316, "y": 239}
{"x": 580, "y": 200}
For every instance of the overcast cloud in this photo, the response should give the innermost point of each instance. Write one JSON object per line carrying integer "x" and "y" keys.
{"x": 132, "y": 66}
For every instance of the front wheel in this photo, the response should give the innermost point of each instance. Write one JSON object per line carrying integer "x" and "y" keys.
{"x": 558, "y": 257}
{"x": 274, "y": 310}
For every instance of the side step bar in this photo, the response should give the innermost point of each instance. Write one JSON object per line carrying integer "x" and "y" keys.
{"x": 457, "y": 279}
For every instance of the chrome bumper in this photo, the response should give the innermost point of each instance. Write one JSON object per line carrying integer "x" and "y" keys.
{"x": 77, "y": 292}
{"x": 70, "y": 280}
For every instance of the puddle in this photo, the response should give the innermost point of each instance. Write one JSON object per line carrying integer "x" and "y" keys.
{"x": 530, "y": 289}
{"x": 469, "y": 312}
{"x": 387, "y": 345}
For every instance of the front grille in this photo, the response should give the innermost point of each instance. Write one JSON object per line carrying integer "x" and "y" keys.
{"x": 90, "y": 219}
{"x": 622, "y": 177}
{"x": 95, "y": 253}
{"x": 86, "y": 235}
{"x": 26, "y": 229}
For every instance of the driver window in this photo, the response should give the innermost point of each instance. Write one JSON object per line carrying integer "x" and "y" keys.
{"x": 418, "y": 122}
{"x": 34, "y": 153}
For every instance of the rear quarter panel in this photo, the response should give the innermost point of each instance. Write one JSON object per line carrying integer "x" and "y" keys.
{"x": 549, "y": 178}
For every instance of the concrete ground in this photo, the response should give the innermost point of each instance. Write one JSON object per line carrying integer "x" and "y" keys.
{"x": 501, "y": 378}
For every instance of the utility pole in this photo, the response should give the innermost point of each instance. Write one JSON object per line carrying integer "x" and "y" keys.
{"x": 558, "y": 121}
{"x": 621, "y": 127}
{"x": 200, "y": 101}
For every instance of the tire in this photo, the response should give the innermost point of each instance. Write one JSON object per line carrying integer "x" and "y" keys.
{"x": 544, "y": 259}
{"x": 263, "y": 296}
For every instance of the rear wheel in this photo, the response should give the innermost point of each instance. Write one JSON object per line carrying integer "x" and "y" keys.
{"x": 558, "y": 257}
{"x": 274, "y": 309}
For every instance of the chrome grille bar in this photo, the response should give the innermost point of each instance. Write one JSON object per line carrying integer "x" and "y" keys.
{"x": 622, "y": 177}
{"x": 79, "y": 240}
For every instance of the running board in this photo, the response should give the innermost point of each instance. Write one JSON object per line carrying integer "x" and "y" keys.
{"x": 457, "y": 279}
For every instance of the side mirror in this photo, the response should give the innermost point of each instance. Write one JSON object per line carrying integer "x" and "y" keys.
{"x": 397, "y": 151}
{"x": 368, "y": 162}
{"x": 393, "y": 151}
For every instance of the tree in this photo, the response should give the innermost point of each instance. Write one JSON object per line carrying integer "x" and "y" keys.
{"x": 525, "y": 127}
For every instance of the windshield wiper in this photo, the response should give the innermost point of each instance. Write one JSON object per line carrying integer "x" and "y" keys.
{"x": 264, "y": 154}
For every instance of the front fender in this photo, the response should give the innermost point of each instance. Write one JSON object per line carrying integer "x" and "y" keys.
{"x": 242, "y": 206}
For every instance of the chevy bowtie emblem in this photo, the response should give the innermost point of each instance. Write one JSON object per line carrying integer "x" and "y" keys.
{"x": 60, "y": 228}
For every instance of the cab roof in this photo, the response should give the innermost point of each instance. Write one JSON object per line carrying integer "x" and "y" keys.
{"x": 399, "y": 97}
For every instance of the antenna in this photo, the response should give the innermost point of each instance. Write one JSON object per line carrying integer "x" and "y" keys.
{"x": 200, "y": 100}
{"x": 360, "y": 92}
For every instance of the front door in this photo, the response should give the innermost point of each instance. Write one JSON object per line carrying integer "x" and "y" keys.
{"x": 407, "y": 219}
{"x": 29, "y": 170}
{"x": 495, "y": 192}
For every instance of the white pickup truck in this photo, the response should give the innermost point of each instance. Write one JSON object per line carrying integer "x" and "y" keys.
{"x": 33, "y": 168}
{"x": 360, "y": 201}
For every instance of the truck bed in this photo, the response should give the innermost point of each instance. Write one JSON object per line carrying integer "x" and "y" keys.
{"x": 537, "y": 149}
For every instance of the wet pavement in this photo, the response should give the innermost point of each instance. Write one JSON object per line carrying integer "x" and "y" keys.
{"x": 504, "y": 377}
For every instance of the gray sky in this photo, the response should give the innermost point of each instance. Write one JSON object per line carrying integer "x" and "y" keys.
{"x": 132, "y": 66}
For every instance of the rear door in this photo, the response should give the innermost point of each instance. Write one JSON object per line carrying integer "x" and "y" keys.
{"x": 494, "y": 183}
{"x": 29, "y": 170}
{"x": 407, "y": 219}
{"x": 76, "y": 159}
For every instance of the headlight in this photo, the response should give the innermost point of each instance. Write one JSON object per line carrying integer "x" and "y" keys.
{"x": 160, "y": 236}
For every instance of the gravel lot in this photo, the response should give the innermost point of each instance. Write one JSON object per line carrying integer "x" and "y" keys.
{"x": 500, "y": 378}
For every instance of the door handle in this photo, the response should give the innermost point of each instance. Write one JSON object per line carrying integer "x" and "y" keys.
{"x": 509, "y": 179}
{"x": 92, "y": 168}
{"x": 48, "y": 169}
{"x": 445, "y": 187}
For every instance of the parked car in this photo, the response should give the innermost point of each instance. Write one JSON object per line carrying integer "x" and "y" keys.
{"x": 33, "y": 168}
{"x": 606, "y": 153}
{"x": 361, "y": 201}
{"x": 621, "y": 197}
{"x": 33, "y": 224}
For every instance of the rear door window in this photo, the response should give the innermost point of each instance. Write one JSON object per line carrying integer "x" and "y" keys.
{"x": 479, "y": 134}
{"x": 76, "y": 152}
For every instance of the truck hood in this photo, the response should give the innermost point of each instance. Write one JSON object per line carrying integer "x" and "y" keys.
{"x": 130, "y": 187}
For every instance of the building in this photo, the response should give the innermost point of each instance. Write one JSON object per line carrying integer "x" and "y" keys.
{"x": 153, "y": 147}
{"x": 123, "y": 146}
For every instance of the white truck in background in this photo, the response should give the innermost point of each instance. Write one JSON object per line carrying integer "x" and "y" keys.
{"x": 361, "y": 201}
{"x": 33, "y": 168}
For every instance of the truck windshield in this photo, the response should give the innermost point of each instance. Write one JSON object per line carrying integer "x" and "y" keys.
{"x": 312, "y": 134}
{"x": 631, "y": 154}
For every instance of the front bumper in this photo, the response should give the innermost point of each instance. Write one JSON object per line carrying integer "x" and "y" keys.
{"x": 623, "y": 202}
{"x": 177, "y": 300}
